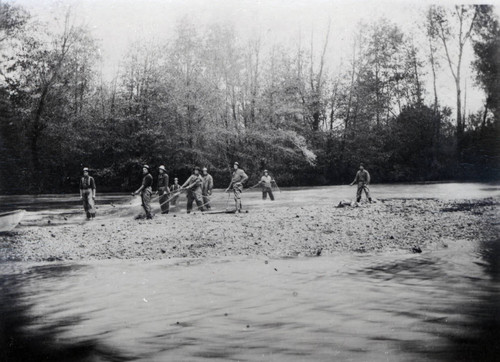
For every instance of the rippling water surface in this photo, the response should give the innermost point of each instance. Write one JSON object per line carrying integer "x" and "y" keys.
{"x": 435, "y": 306}
{"x": 442, "y": 305}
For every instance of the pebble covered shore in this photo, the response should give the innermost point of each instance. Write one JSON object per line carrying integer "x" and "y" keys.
{"x": 413, "y": 225}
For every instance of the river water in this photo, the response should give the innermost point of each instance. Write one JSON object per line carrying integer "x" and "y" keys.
{"x": 436, "y": 306}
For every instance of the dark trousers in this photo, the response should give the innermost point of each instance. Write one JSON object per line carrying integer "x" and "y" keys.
{"x": 164, "y": 204}
{"x": 362, "y": 186}
{"x": 266, "y": 191}
{"x": 194, "y": 196}
{"x": 146, "y": 201}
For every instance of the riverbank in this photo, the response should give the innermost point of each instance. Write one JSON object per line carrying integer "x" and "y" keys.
{"x": 389, "y": 225}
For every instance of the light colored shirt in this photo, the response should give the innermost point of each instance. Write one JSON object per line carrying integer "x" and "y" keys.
{"x": 239, "y": 176}
{"x": 194, "y": 183}
{"x": 266, "y": 181}
{"x": 208, "y": 183}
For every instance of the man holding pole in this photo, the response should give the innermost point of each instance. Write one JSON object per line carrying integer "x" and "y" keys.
{"x": 266, "y": 182}
{"x": 193, "y": 185}
{"x": 87, "y": 193}
{"x": 206, "y": 188}
{"x": 146, "y": 191}
{"x": 163, "y": 190}
{"x": 363, "y": 180}
{"x": 239, "y": 177}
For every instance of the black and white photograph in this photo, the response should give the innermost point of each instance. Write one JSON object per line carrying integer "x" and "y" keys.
{"x": 249, "y": 180}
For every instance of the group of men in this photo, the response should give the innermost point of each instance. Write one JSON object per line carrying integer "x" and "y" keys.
{"x": 199, "y": 188}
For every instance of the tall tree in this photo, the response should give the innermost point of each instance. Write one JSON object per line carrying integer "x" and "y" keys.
{"x": 430, "y": 32}
{"x": 41, "y": 77}
{"x": 316, "y": 81}
{"x": 13, "y": 21}
{"x": 486, "y": 44}
{"x": 383, "y": 69}
{"x": 453, "y": 27}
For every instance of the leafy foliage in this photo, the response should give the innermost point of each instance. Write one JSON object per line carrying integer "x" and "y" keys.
{"x": 209, "y": 99}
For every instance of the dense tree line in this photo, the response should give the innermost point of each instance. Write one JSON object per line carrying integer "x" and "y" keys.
{"x": 207, "y": 98}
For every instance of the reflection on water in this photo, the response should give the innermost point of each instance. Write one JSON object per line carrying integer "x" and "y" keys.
{"x": 442, "y": 305}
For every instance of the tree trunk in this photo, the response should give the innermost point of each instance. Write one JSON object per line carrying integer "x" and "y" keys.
{"x": 35, "y": 159}
{"x": 316, "y": 117}
{"x": 377, "y": 110}
{"x": 464, "y": 113}
{"x": 349, "y": 102}
{"x": 433, "y": 67}
{"x": 460, "y": 129}
{"x": 37, "y": 128}
{"x": 483, "y": 124}
{"x": 334, "y": 101}
{"x": 417, "y": 78}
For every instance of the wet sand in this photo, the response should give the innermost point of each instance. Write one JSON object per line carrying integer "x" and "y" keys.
{"x": 268, "y": 229}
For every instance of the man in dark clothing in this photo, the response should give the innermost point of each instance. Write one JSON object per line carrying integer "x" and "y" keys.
{"x": 363, "y": 180}
{"x": 206, "y": 188}
{"x": 87, "y": 193}
{"x": 193, "y": 185}
{"x": 238, "y": 178}
{"x": 173, "y": 189}
{"x": 266, "y": 182}
{"x": 146, "y": 191}
{"x": 163, "y": 190}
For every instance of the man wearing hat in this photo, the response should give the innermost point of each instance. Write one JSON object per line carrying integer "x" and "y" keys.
{"x": 87, "y": 193}
{"x": 206, "y": 188}
{"x": 238, "y": 178}
{"x": 266, "y": 182}
{"x": 163, "y": 190}
{"x": 173, "y": 189}
{"x": 146, "y": 191}
{"x": 193, "y": 185}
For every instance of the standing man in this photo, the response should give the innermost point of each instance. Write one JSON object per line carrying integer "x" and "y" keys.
{"x": 174, "y": 189}
{"x": 193, "y": 185}
{"x": 163, "y": 190}
{"x": 146, "y": 191}
{"x": 238, "y": 178}
{"x": 363, "y": 180}
{"x": 266, "y": 182}
{"x": 206, "y": 188}
{"x": 87, "y": 193}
